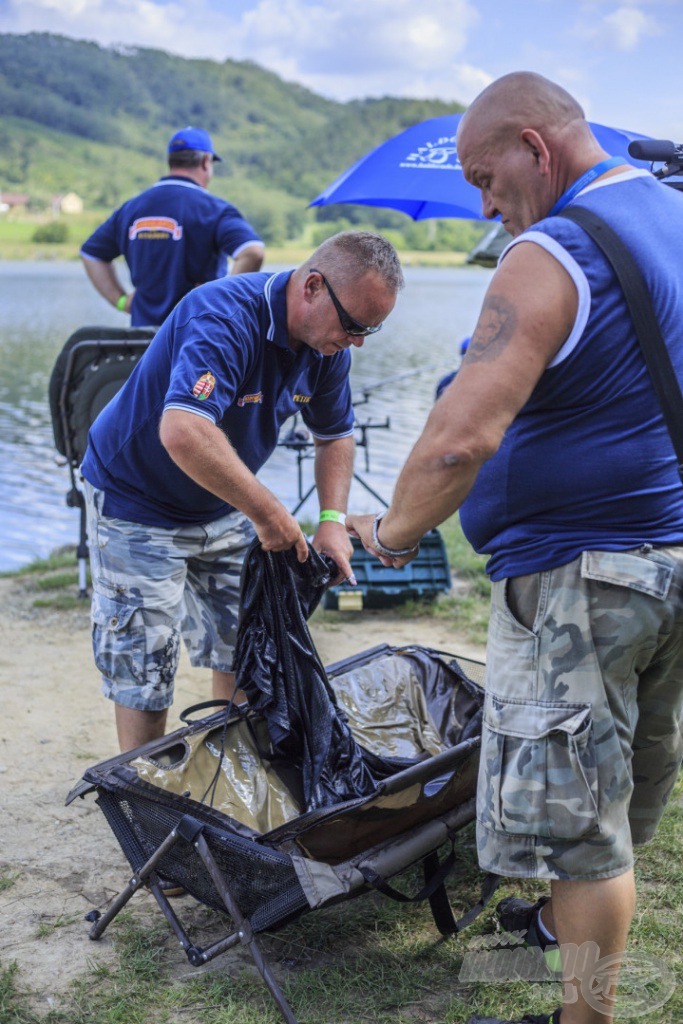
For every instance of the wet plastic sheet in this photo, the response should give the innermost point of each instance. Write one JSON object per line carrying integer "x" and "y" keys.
{"x": 277, "y": 666}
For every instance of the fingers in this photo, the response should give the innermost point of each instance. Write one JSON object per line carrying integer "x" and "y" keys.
{"x": 301, "y": 547}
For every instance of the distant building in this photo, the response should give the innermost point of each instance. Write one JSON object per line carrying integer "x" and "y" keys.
{"x": 68, "y": 204}
{"x": 13, "y": 201}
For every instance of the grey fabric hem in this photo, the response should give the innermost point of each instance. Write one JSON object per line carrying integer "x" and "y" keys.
{"x": 131, "y": 704}
{"x": 206, "y": 663}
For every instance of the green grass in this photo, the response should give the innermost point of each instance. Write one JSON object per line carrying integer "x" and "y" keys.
{"x": 57, "y": 581}
{"x": 14, "y": 1008}
{"x": 370, "y": 960}
{"x": 60, "y": 602}
{"x": 467, "y": 604}
{"x": 49, "y": 927}
{"x": 55, "y": 577}
{"x": 7, "y": 881}
{"x": 63, "y": 558}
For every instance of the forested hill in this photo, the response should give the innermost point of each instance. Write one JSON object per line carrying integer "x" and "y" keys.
{"x": 75, "y": 116}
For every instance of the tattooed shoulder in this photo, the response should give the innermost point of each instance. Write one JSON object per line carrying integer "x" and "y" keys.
{"x": 494, "y": 330}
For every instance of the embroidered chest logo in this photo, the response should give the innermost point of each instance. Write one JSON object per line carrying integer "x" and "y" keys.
{"x": 155, "y": 227}
{"x": 204, "y": 386}
{"x": 256, "y": 399}
{"x": 302, "y": 399}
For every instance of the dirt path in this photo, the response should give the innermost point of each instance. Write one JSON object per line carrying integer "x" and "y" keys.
{"x": 64, "y": 861}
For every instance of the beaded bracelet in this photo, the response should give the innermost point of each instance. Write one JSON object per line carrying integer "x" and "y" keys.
{"x": 387, "y": 552}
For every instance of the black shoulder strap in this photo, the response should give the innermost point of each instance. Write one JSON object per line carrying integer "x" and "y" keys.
{"x": 655, "y": 352}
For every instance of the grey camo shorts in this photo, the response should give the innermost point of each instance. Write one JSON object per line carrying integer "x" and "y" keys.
{"x": 582, "y": 738}
{"x": 150, "y": 587}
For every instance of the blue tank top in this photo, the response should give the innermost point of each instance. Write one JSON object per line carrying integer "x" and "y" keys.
{"x": 588, "y": 462}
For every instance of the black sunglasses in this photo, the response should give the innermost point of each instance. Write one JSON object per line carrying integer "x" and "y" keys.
{"x": 349, "y": 326}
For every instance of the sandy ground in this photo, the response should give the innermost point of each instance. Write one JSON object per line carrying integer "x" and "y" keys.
{"x": 65, "y": 861}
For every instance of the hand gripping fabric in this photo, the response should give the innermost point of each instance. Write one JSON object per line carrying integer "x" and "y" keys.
{"x": 278, "y": 668}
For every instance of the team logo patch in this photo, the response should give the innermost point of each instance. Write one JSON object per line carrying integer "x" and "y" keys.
{"x": 255, "y": 399}
{"x": 204, "y": 386}
{"x": 155, "y": 227}
{"x": 302, "y": 399}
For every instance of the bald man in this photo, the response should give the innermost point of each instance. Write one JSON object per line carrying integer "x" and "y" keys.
{"x": 551, "y": 442}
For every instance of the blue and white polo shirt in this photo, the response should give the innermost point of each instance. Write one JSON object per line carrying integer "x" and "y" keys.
{"x": 174, "y": 236}
{"x": 223, "y": 354}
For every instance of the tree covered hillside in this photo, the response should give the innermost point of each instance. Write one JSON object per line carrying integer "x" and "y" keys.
{"x": 75, "y": 116}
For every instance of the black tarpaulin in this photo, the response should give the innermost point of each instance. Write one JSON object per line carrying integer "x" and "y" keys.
{"x": 278, "y": 668}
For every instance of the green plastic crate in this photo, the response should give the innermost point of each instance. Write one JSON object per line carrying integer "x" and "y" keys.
{"x": 426, "y": 576}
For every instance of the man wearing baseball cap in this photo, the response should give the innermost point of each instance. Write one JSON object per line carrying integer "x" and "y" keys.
{"x": 173, "y": 236}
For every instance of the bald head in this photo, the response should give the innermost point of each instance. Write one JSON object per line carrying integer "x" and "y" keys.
{"x": 523, "y": 142}
{"x": 523, "y": 100}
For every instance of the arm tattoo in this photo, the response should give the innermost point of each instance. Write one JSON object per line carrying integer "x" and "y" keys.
{"x": 494, "y": 330}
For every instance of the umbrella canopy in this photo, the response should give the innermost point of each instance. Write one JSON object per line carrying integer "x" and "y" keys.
{"x": 418, "y": 172}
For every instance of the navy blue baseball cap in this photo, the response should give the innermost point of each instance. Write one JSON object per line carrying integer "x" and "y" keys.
{"x": 193, "y": 138}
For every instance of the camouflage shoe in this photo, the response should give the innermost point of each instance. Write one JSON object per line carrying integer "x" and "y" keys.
{"x": 528, "y": 1018}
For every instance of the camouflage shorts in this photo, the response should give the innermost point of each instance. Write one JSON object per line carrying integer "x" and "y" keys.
{"x": 582, "y": 738}
{"x": 150, "y": 587}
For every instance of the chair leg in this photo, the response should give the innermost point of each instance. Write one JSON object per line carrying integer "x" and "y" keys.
{"x": 189, "y": 830}
{"x": 101, "y": 921}
{"x": 244, "y": 929}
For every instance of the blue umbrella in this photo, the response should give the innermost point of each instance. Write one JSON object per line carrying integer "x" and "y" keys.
{"x": 418, "y": 172}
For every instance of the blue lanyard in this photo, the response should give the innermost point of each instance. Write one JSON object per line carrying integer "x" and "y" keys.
{"x": 590, "y": 175}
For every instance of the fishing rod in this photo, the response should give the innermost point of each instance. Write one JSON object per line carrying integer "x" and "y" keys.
{"x": 299, "y": 440}
{"x": 369, "y": 388}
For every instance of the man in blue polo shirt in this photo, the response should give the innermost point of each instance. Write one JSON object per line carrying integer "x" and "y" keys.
{"x": 174, "y": 236}
{"x": 173, "y": 500}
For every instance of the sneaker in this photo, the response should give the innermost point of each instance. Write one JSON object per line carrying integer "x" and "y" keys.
{"x": 169, "y": 888}
{"x": 519, "y": 917}
{"x": 528, "y": 1018}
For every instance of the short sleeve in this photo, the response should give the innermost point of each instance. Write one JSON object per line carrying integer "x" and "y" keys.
{"x": 103, "y": 243}
{"x": 330, "y": 414}
{"x": 234, "y": 232}
{"x": 211, "y": 358}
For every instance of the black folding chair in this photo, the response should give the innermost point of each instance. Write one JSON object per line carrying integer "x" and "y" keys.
{"x": 93, "y": 365}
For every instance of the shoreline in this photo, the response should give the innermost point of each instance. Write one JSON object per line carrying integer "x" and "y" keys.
{"x": 288, "y": 254}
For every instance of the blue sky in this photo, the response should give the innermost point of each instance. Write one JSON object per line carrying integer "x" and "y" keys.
{"x": 620, "y": 58}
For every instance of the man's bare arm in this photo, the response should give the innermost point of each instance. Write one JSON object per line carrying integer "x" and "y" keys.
{"x": 105, "y": 279}
{"x": 333, "y": 473}
{"x": 204, "y": 453}
{"x": 528, "y": 313}
{"x": 248, "y": 260}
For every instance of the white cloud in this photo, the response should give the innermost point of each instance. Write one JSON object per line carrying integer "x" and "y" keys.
{"x": 354, "y": 47}
{"x": 341, "y": 48}
{"x": 628, "y": 25}
{"x": 622, "y": 29}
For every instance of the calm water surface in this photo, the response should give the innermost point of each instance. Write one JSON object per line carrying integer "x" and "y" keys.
{"x": 42, "y": 304}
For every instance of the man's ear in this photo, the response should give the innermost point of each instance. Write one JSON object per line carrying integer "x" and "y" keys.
{"x": 312, "y": 285}
{"x": 535, "y": 143}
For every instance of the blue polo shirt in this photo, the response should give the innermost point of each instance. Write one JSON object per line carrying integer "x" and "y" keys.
{"x": 223, "y": 354}
{"x": 174, "y": 236}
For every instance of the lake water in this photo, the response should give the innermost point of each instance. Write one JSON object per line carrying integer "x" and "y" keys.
{"x": 42, "y": 304}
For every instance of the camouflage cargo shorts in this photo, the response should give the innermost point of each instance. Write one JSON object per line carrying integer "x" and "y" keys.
{"x": 150, "y": 587}
{"x": 581, "y": 742}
